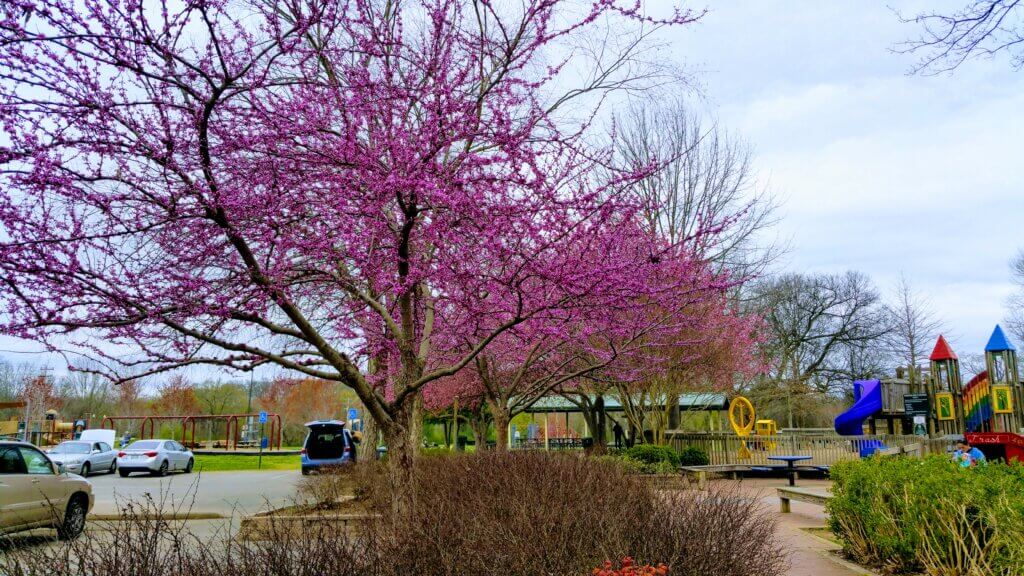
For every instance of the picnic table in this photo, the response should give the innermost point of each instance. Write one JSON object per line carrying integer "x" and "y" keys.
{"x": 790, "y": 465}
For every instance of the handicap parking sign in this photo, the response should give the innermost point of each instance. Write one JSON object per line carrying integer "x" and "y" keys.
{"x": 353, "y": 414}
{"x": 263, "y": 417}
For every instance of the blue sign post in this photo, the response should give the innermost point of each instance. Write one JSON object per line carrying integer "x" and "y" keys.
{"x": 353, "y": 415}
{"x": 263, "y": 439}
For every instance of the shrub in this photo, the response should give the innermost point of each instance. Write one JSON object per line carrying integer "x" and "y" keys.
{"x": 693, "y": 456}
{"x": 332, "y": 484}
{"x": 663, "y": 459}
{"x": 534, "y": 513}
{"x": 930, "y": 515}
{"x": 515, "y": 514}
{"x": 652, "y": 454}
{"x": 627, "y": 464}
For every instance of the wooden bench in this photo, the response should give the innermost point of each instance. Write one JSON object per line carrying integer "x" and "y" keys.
{"x": 801, "y": 494}
{"x": 702, "y": 472}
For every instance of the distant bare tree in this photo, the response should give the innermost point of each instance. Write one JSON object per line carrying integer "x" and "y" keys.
{"x": 914, "y": 327}
{"x": 707, "y": 178}
{"x": 823, "y": 331}
{"x": 86, "y": 394}
{"x": 971, "y": 364}
{"x": 983, "y": 28}
{"x": 1015, "y": 317}
{"x": 816, "y": 324}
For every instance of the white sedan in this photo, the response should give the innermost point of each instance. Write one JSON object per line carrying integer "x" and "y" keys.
{"x": 157, "y": 457}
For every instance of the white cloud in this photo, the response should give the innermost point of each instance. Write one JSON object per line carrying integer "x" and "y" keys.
{"x": 878, "y": 171}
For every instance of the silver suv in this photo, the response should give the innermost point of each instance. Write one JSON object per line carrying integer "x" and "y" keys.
{"x": 36, "y": 493}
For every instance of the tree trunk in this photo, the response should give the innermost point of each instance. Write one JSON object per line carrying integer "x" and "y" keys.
{"x": 596, "y": 421}
{"x": 400, "y": 437}
{"x": 480, "y": 426}
{"x": 673, "y": 413}
{"x": 501, "y": 419}
{"x": 368, "y": 447}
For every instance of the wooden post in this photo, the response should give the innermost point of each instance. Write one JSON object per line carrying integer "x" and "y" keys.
{"x": 455, "y": 424}
{"x": 546, "y": 445}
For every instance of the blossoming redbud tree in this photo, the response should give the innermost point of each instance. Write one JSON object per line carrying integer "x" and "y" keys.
{"x": 327, "y": 187}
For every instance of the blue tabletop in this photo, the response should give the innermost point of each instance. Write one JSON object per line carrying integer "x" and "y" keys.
{"x": 789, "y": 458}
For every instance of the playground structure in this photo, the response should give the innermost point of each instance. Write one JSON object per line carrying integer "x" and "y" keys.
{"x": 988, "y": 411}
{"x": 744, "y": 420}
{"x": 47, "y": 431}
{"x": 232, "y": 434}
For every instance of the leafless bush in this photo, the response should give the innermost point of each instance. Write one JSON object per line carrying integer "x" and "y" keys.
{"x": 718, "y": 531}
{"x": 501, "y": 514}
{"x": 331, "y": 485}
{"x": 528, "y": 514}
{"x": 148, "y": 541}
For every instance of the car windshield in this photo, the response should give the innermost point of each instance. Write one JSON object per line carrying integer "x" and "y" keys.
{"x": 72, "y": 448}
{"x": 144, "y": 445}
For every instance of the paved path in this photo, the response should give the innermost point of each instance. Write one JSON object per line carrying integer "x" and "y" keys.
{"x": 810, "y": 555}
{"x": 224, "y": 493}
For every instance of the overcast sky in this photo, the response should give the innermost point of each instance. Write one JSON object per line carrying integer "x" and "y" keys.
{"x": 876, "y": 170}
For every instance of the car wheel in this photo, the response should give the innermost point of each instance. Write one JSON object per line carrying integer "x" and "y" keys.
{"x": 113, "y": 466}
{"x": 188, "y": 467}
{"x": 74, "y": 519}
{"x": 123, "y": 473}
{"x": 85, "y": 470}
{"x": 163, "y": 469}
{"x": 305, "y": 471}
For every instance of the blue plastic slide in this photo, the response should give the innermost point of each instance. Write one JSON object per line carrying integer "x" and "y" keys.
{"x": 868, "y": 401}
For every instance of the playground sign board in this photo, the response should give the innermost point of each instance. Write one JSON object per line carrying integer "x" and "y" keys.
{"x": 916, "y": 404}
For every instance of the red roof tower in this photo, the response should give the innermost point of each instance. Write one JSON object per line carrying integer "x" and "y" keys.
{"x": 942, "y": 351}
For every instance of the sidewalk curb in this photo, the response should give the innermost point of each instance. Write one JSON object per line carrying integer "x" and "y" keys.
{"x": 835, "y": 558}
{"x": 168, "y": 516}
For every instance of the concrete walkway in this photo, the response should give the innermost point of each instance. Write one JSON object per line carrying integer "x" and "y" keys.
{"x": 810, "y": 554}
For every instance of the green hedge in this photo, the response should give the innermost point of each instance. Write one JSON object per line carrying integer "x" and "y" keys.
{"x": 652, "y": 459}
{"x": 652, "y": 454}
{"x": 930, "y": 515}
{"x": 693, "y": 456}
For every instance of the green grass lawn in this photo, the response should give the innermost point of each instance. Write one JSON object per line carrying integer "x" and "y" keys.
{"x": 218, "y": 463}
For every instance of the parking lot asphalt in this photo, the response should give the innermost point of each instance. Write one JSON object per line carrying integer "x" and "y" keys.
{"x": 219, "y": 493}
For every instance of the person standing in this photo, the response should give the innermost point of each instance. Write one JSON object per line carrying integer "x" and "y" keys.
{"x": 617, "y": 431}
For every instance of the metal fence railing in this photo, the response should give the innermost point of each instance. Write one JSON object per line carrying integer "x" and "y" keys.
{"x": 824, "y": 449}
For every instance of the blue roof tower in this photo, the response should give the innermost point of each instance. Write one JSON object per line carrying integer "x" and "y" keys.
{"x": 1001, "y": 365}
{"x": 998, "y": 342}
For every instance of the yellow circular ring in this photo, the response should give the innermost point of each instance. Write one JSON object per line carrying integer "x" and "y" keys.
{"x": 741, "y": 416}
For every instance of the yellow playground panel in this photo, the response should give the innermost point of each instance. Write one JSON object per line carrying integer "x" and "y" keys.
{"x": 765, "y": 428}
{"x": 9, "y": 427}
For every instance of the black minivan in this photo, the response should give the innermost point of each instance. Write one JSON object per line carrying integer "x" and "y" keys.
{"x": 328, "y": 443}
